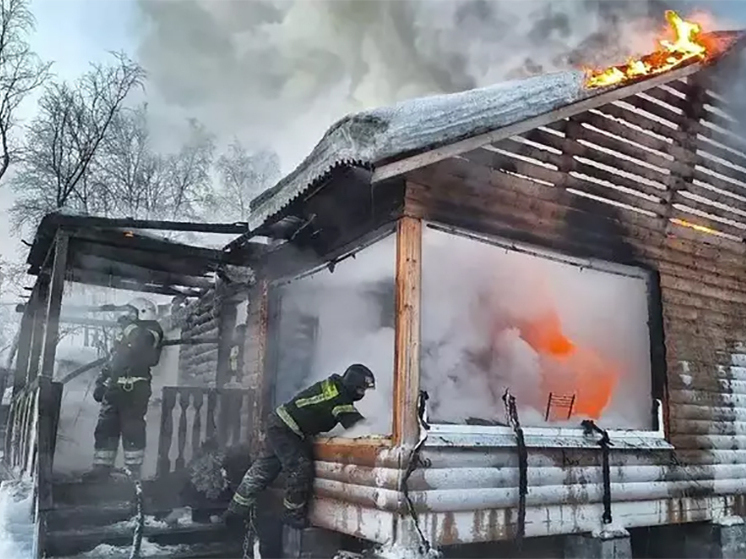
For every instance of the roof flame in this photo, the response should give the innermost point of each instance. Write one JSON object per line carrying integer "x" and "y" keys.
{"x": 688, "y": 46}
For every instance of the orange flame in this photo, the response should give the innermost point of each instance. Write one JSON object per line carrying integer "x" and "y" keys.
{"x": 688, "y": 45}
{"x": 571, "y": 369}
{"x": 700, "y": 228}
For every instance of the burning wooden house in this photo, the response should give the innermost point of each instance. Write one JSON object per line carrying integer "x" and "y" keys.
{"x": 552, "y": 268}
{"x": 545, "y": 276}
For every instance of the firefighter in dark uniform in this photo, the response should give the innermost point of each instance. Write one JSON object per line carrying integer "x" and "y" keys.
{"x": 123, "y": 390}
{"x": 289, "y": 438}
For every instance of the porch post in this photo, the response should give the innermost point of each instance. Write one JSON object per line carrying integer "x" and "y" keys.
{"x": 38, "y": 319}
{"x": 407, "y": 344}
{"x": 24, "y": 344}
{"x": 56, "y": 289}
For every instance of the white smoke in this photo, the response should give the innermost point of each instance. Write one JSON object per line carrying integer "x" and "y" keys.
{"x": 277, "y": 73}
{"x": 79, "y": 411}
{"x": 474, "y": 296}
{"x": 347, "y": 322}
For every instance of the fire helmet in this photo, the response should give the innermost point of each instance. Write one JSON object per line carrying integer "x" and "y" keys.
{"x": 357, "y": 379}
{"x": 144, "y": 309}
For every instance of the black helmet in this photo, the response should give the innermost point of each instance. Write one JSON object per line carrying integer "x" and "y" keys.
{"x": 357, "y": 379}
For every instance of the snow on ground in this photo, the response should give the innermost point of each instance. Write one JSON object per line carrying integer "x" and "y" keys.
{"x": 16, "y": 523}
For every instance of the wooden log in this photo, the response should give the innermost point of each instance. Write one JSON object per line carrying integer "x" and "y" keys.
{"x": 498, "y": 162}
{"x": 661, "y": 94}
{"x": 659, "y": 162}
{"x": 672, "y": 118}
{"x": 634, "y": 186}
{"x": 698, "y": 288}
{"x": 623, "y": 130}
{"x": 733, "y": 126}
{"x": 643, "y": 122}
{"x": 722, "y": 137}
{"x": 719, "y": 183}
{"x": 734, "y": 157}
{"x": 707, "y": 222}
{"x": 677, "y": 297}
{"x": 733, "y": 205}
{"x": 407, "y": 344}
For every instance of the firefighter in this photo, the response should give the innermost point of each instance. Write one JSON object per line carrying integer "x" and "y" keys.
{"x": 123, "y": 390}
{"x": 288, "y": 443}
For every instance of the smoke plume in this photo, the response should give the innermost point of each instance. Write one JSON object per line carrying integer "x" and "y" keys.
{"x": 278, "y": 73}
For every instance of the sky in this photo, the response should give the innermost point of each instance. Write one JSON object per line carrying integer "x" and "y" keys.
{"x": 72, "y": 33}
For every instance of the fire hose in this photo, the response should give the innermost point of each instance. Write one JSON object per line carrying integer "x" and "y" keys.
{"x": 250, "y": 548}
{"x": 511, "y": 412}
{"x": 590, "y": 427}
{"x": 414, "y": 461}
{"x": 139, "y": 517}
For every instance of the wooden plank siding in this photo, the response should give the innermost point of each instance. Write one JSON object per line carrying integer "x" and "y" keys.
{"x": 656, "y": 180}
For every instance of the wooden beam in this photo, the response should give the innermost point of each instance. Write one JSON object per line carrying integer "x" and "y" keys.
{"x": 235, "y": 228}
{"x": 39, "y": 310}
{"x": 124, "y": 270}
{"x": 148, "y": 244}
{"x": 24, "y": 348}
{"x": 56, "y": 289}
{"x": 104, "y": 280}
{"x": 226, "y": 327}
{"x": 407, "y": 344}
{"x": 423, "y": 159}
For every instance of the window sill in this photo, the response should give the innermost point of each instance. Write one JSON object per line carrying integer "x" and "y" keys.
{"x": 542, "y": 437}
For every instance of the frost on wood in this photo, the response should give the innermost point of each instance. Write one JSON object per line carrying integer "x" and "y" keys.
{"x": 372, "y": 137}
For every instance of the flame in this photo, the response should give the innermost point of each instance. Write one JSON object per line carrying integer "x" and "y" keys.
{"x": 688, "y": 45}
{"x": 571, "y": 369}
{"x": 700, "y": 228}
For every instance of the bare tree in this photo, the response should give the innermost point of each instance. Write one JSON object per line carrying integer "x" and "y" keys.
{"x": 64, "y": 138}
{"x": 242, "y": 177}
{"x": 130, "y": 179}
{"x": 21, "y": 72}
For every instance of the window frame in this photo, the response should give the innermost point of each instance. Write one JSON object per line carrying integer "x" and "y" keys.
{"x": 272, "y": 336}
{"x": 442, "y": 434}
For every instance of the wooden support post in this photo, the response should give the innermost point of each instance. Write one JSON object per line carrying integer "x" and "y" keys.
{"x": 407, "y": 345}
{"x": 24, "y": 346}
{"x": 226, "y": 327}
{"x": 255, "y": 353}
{"x": 56, "y": 289}
{"x": 39, "y": 310}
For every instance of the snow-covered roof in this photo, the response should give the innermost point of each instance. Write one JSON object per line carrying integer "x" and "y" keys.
{"x": 375, "y": 137}
{"x": 371, "y": 137}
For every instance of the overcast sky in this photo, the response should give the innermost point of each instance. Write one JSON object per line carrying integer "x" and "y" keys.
{"x": 72, "y": 33}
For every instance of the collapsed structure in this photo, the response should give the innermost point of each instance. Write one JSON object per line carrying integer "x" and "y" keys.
{"x": 513, "y": 260}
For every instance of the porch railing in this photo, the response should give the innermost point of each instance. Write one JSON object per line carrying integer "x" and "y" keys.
{"x": 200, "y": 415}
{"x": 31, "y": 434}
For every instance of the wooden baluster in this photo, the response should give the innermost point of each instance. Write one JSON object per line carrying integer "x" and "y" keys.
{"x": 212, "y": 405}
{"x": 183, "y": 405}
{"x": 197, "y": 400}
{"x": 167, "y": 431}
